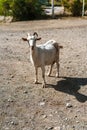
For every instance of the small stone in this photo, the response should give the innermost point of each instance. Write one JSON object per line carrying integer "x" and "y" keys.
{"x": 56, "y": 112}
{"x": 57, "y": 128}
{"x": 10, "y": 100}
{"x": 12, "y": 76}
{"x": 44, "y": 116}
{"x": 51, "y": 115}
{"x": 42, "y": 103}
{"x": 77, "y": 121}
{"x": 25, "y": 91}
{"x": 66, "y": 119}
{"x": 14, "y": 122}
{"x": 78, "y": 111}
{"x": 50, "y": 128}
{"x": 69, "y": 105}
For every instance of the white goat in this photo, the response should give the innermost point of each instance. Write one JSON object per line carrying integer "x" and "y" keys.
{"x": 41, "y": 55}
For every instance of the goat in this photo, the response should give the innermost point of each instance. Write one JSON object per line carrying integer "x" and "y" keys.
{"x": 44, "y": 54}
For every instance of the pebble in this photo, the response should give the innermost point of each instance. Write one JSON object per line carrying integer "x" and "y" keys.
{"x": 44, "y": 116}
{"x": 42, "y": 103}
{"x": 14, "y": 122}
{"x": 51, "y": 115}
{"x": 25, "y": 92}
{"x": 10, "y": 100}
{"x": 66, "y": 119}
{"x": 12, "y": 76}
{"x": 77, "y": 121}
{"x": 54, "y": 128}
{"x": 69, "y": 105}
{"x": 50, "y": 128}
{"x": 57, "y": 128}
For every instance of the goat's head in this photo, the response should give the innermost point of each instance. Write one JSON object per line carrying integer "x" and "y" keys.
{"x": 31, "y": 39}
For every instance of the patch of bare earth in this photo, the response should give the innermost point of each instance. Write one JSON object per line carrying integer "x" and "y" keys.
{"x": 27, "y": 106}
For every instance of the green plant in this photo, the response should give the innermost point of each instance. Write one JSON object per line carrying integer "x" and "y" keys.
{"x": 76, "y": 8}
{"x": 26, "y": 9}
{"x": 21, "y": 9}
{"x": 5, "y": 7}
{"x": 66, "y": 3}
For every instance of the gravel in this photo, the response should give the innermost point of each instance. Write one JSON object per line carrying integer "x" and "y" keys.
{"x": 63, "y": 104}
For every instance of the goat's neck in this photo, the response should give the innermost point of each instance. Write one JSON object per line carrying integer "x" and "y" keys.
{"x": 34, "y": 53}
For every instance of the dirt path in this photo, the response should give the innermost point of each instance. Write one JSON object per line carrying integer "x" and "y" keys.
{"x": 63, "y": 104}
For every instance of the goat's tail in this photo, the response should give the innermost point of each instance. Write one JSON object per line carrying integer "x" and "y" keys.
{"x": 57, "y": 46}
{"x": 60, "y": 47}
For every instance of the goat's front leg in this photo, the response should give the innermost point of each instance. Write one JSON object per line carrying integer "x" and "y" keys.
{"x": 43, "y": 76}
{"x": 36, "y": 75}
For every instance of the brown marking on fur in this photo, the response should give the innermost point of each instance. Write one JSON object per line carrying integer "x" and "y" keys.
{"x": 56, "y": 46}
{"x": 24, "y": 39}
{"x": 38, "y": 38}
{"x": 61, "y": 47}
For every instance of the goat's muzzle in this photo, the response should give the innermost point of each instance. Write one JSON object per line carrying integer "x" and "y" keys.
{"x": 32, "y": 48}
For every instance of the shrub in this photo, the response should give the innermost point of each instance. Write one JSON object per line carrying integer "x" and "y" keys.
{"x": 26, "y": 9}
{"x": 66, "y": 3}
{"x": 21, "y": 9}
{"x": 76, "y": 8}
{"x": 5, "y": 7}
{"x": 73, "y": 6}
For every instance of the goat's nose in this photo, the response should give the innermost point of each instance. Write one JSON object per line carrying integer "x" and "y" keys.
{"x": 32, "y": 47}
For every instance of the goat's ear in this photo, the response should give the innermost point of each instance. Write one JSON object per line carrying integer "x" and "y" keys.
{"x": 38, "y": 38}
{"x": 24, "y": 39}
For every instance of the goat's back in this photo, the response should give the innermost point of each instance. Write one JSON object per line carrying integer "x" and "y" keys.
{"x": 48, "y": 52}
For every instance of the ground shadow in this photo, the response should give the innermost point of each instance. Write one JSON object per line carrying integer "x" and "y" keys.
{"x": 72, "y": 86}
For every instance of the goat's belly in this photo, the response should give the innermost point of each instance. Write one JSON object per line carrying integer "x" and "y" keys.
{"x": 49, "y": 62}
{"x": 49, "y": 59}
{"x": 39, "y": 64}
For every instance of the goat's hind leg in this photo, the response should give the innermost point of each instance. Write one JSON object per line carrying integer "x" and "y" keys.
{"x": 43, "y": 76}
{"x": 50, "y": 71}
{"x": 57, "y": 64}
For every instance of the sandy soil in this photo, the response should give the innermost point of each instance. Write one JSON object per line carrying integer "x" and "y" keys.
{"x": 27, "y": 106}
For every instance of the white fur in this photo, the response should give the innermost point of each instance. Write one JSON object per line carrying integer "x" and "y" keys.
{"x": 42, "y": 55}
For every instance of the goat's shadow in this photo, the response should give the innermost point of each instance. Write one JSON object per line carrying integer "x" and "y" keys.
{"x": 72, "y": 86}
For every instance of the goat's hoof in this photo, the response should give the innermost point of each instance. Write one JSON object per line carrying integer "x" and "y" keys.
{"x": 44, "y": 85}
{"x": 57, "y": 75}
{"x": 48, "y": 75}
{"x": 36, "y": 82}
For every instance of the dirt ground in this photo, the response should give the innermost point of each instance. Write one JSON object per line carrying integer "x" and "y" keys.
{"x": 27, "y": 106}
